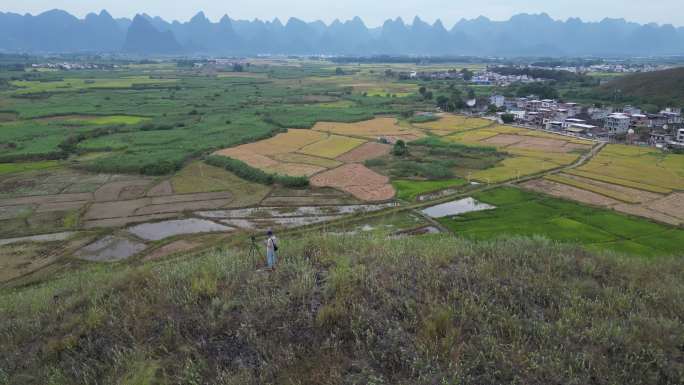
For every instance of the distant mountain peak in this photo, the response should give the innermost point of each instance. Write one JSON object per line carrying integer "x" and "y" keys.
{"x": 525, "y": 34}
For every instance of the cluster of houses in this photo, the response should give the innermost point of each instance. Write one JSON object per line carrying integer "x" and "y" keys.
{"x": 68, "y": 66}
{"x": 479, "y": 78}
{"x": 493, "y": 78}
{"x": 630, "y": 124}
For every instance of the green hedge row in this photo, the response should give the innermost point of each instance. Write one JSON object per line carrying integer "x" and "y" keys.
{"x": 245, "y": 171}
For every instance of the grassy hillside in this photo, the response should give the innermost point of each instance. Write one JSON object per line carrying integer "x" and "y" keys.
{"x": 355, "y": 310}
{"x": 660, "y": 88}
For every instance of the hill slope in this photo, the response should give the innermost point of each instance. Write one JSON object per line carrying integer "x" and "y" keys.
{"x": 354, "y": 310}
{"x": 661, "y": 88}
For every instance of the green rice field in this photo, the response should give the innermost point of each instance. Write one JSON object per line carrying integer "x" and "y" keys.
{"x": 525, "y": 213}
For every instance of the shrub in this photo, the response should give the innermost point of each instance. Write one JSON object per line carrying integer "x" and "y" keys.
{"x": 508, "y": 118}
{"x": 377, "y": 162}
{"x": 241, "y": 169}
{"x": 399, "y": 148}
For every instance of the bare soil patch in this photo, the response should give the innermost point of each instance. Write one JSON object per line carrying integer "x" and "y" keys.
{"x": 569, "y": 192}
{"x": 46, "y": 199}
{"x": 121, "y": 190}
{"x": 637, "y": 195}
{"x": 162, "y": 189}
{"x": 105, "y": 210}
{"x": 672, "y": 205}
{"x": 61, "y": 206}
{"x": 645, "y": 212}
{"x": 357, "y": 180}
{"x": 365, "y": 152}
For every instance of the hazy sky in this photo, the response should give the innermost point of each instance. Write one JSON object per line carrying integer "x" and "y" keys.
{"x": 373, "y": 12}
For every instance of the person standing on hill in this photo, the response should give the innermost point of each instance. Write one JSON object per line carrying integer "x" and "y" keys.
{"x": 271, "y": 250}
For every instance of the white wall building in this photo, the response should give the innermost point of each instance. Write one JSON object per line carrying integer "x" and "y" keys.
{"x": 617, "y": 123}
{"x": 497, "y": 100}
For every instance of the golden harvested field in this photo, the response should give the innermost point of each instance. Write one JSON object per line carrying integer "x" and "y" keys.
{"x": 251, "y": 158}
{"x": 620, "y": 182}
{"x": 448, "y": 124}
{"x": 512, "y": 168}
{"x": 371, "y": 129}
{"x": 287, "y": 142}
{"x": 645, "y": 166}
{"x": 332, "y": 146}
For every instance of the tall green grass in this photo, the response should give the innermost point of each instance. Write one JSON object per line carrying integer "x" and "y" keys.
{"x": 343, "y": 309}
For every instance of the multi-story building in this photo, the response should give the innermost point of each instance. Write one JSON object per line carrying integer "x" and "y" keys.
{"x": 497, "y": 100}
{"x": 572, "y": 108}
{"x": 617, "y": 123}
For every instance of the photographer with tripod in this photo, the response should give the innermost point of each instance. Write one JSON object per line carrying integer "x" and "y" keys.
{"x": 271, "y": 250}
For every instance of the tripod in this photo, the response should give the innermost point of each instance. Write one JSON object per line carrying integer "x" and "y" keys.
{"x": 253, "y": 248}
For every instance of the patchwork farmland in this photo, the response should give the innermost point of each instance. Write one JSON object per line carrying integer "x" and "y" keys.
{"x": 123, "y": 166}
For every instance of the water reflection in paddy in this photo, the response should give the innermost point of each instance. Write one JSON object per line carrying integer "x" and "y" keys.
{"x": 462, "y": 206}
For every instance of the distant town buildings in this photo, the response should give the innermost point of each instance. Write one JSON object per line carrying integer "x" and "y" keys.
{"x": 663, "y": 129}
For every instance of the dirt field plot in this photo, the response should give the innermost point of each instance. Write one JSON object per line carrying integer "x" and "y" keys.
{"x": 357, "y": 180}
{"x": 23, "y": 258}
{"x": 366, "y": 151}
{"x": 163, "y": 188}
{"x": 672, "y": 205}
{"x": 569, "y": 192}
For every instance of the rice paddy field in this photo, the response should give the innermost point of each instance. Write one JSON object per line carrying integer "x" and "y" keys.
{"x": 531, "y": 152}
{"x": 628, "y": 179}
{"x": 519, "y": 212}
